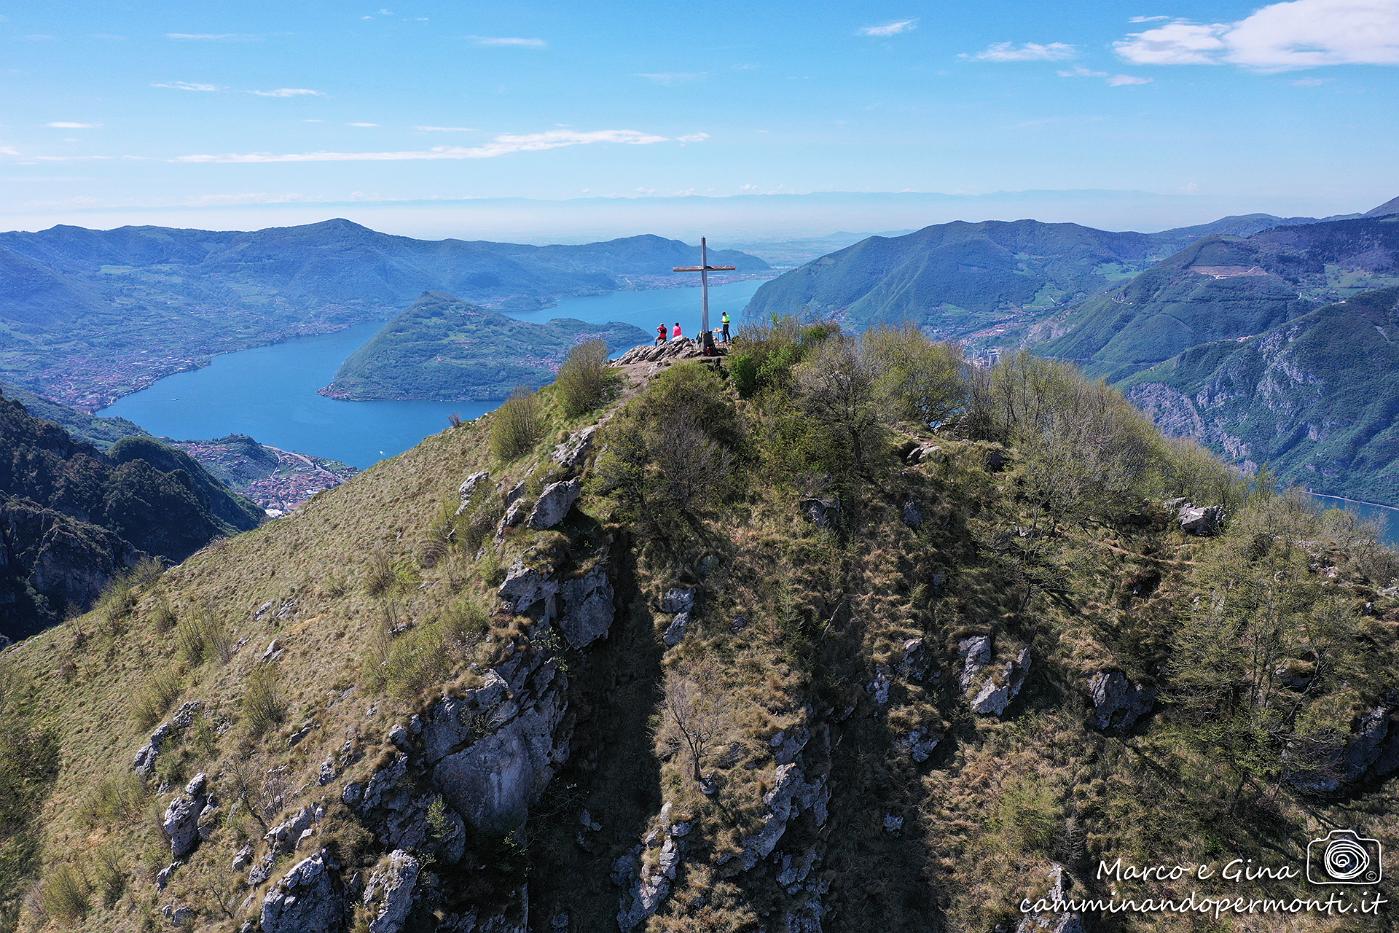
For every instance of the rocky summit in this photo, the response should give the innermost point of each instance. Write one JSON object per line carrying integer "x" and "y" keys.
{"x": 743, "y": 644}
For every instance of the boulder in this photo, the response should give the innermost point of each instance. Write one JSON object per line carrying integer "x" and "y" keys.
{"x": 586, "y": 610}
{"x": 554, "y": 503}
{"x": 572, "y": 453}
{"x": 1058, "y": 918}
{"x": 284, "y": 836}
{"x": 912, "y": 514}
{"x": 181, "y": 822}
{"x": 1196, "y": 520}
{"x": 920, "y": 743}
{"x": 468, "y": 488}
{"x": 823, "y": 512}
{"x": 1118, "y": 703}
{"x": 792, "y": 794}
{"x": 389, "y": 893}
{"x": 1000, "y": 687}
{"x": 678, "y": 599}
{"x": 923, "y": 453}
{"x": 913, "y": 660}
{"x": 675, "y": 632}
{"x": 528, "y": 591}
{"x": 879, "y": 685}
{"x": 307, "y": 900}
{"x": 975, "y": 653}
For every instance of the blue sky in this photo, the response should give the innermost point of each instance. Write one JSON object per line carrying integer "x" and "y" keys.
{"x": 610, "y": 117}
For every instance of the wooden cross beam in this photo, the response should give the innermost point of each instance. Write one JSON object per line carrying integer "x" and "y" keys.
{"x": 704, "y": 268}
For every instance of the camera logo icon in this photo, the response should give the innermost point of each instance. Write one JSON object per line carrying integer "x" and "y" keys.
{"x": 1344, "y": 857}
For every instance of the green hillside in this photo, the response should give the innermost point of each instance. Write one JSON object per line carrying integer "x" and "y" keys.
{"x": 770, "y": 659}
{"x": 1316, "y": 398}
{"x": 444, "y": 348}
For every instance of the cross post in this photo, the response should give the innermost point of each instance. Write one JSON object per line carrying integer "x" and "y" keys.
{"x": 704, "y": 268}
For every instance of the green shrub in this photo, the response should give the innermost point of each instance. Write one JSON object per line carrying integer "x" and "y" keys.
{"x": 517, "y": 425}
{"x": 585, "y": 380}
{"x": 64, "y": 894}
{"x": 763, "y": 355}
{"x": 917, "y": 379}
{"x": 264, "y": 706}
{"x": 149, "y": 703}
{"x": 117, "y": 797}
{"x": 105, "y": 875}
{"x": 147, "y": 571}
{"x": 162, "y": 616}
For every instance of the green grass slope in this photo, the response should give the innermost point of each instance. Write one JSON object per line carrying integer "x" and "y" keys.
{"x": 799, "y": 751}
{"x": 446, "y": 349}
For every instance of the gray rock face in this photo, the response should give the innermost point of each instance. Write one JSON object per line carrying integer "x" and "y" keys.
{"x": 144, "y": 762}
{"x": 554, "y": 503}
{"x": 468, "y": 489}
{"x": 920, "y": 743}
{"x": 1118, "y": 704}
{"x": 587, "y": 607}
{"x": 529, "y": 591}
{"x": 975, "y": 653}
{"x": 181, "y": 823}
{"x": 675, "y": 632}
{"x": 389, "y": 893}
{"x": 283, "y": 837}
{"x": 1001, "y": 686}
{"x": 879, "y": 686}
{"x": 397, "y": 811}
{"x": 913, "y": 660}
{"x": 923, "y": 453}
{"x": 821, "y": 512}
{"x": 307, "y": 900}
{"x": 792, "y": 794}
{"x": 1370, "y": 752}
{"x": 1196, "y": 520}
{"x": 573, "y": 452}
{"x": 645, "y": 890}
{"x": 678, "y": 599}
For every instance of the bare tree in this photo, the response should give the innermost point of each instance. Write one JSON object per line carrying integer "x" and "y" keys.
{"x": 696, "y": 716}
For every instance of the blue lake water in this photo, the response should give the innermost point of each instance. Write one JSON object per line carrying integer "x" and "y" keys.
{"x": 270, "y": 392}
{"x": 1386, "y": 516}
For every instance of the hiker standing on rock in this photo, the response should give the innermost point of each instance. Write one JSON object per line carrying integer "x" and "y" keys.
{"x": 724, "y": 319}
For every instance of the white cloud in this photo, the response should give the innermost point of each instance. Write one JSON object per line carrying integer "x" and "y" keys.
{"x": 1025, "y": 52}
{"x": 509, "y": 42}
{"x": 670, "y": 77}
{"x": 363, "y": 124}
{"x": 884, "y": 30}
{"x": 71, "y": 125}
{"x": 187, "y": 86}
{"x": 290, "y": 92}
{"x": 1277, "y": 37}
{"x": 1078, "y": 71}
{"x": 503, "y": 145}
{"x": 1148, "y": 19}
{"x": 445, "y": 129}
{"x": 8, "y": 150}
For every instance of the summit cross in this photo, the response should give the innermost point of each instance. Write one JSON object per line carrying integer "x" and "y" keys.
{"x": 704, "y": 268}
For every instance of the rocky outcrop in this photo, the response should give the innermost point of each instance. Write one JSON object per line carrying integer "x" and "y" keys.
{"x": 663, "y": 354}
{"x": 587, "y": 607}
{"x": 388, "y": 897}
{"x": 529, "y": 591}
{"x": 573, "y": 452}
{"x": 990, "y": 687}
{"x": 823, "y": 512}
{"x": 645, "y": 887}
{"x": 1201, "y": 521}
{"x": 145, "y": 760}
{"x": 468, "y": 489}
{"x": 181, "y": 820}
{"x": 1118, "y": 704}
{"x": 1369, "y": 753}
{"x": 792, "y": 795}
{"x": 308, "y": 899}
{"x": 554, "y": 503}
{"x": 1056, "y": 917}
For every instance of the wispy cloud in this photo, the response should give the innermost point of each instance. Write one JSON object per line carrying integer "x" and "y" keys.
{"x": 290, "y": 92}
{"x": 671, "y": 77}
{"x": 211, "y": 37}
{"x": 187, "y": 86}
{"x": 363, "y": 124}
{"x": 71, "y": 125}
{"x": 1277, "y": 37}
{"x": 1148, "y": 19}
{"x": 884, "y": 30}
{"x": 445, "y": 129}
{"x": 1113, "y": 80}
{"x": 1309, "y": 82}
{"x": 1024, "y": 52}
{"x": 509, "y": 42}
{"x": 503, "y": 145}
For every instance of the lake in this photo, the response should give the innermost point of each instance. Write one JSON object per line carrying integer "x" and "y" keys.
{"x": 1386, "y": 516}
{"x": 270, "y": 392}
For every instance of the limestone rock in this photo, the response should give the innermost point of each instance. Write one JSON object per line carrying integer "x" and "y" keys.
{"x": 920, "y": 743}
{"x": 1118, "y": 704}
{"x": 792, "y": 794}
{"x": 1001, "y": 686}
{"x": 675, "y": 632}
{"x": 662, "y": 354}
{"x": 468, "y": 488}
{"x": 554, "y": 503}
{"x": 587, "y": 609}
{"x": 307, "y": 900}
{"x": 1051, "y": 921}
{"x": 181, "y": 823}
{"x": 1370, "y": 751}
{"x": 975, "y": 653}
{"x": 923, "y": 453}
{"x": 823, "y": 512}
{"x": 389, "y": 893}
{"x": 527, "y": 590}
{"x": 678, "y": 599}
{"x": 1196, "y": 520}
{"x": 284, "y": 836}
{"x": 574, "y": 451}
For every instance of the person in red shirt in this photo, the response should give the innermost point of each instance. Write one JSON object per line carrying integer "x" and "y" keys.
{"x": 675, "y": 332}
{"x": 660, "y": 335}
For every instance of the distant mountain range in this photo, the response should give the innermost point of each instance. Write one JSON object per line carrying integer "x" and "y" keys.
{"x": 71, "y": 516}
{"x": 446, "y": 349}
{"x": 1316, "y": 397}
{"x": 87, "y": 316}
{"x": 985, "y": 281}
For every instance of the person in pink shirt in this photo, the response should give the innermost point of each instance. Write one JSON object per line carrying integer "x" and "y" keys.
{"x": 675, "y": 332}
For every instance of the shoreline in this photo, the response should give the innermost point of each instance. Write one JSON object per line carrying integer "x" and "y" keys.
{"x": 1377, "y": 505}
